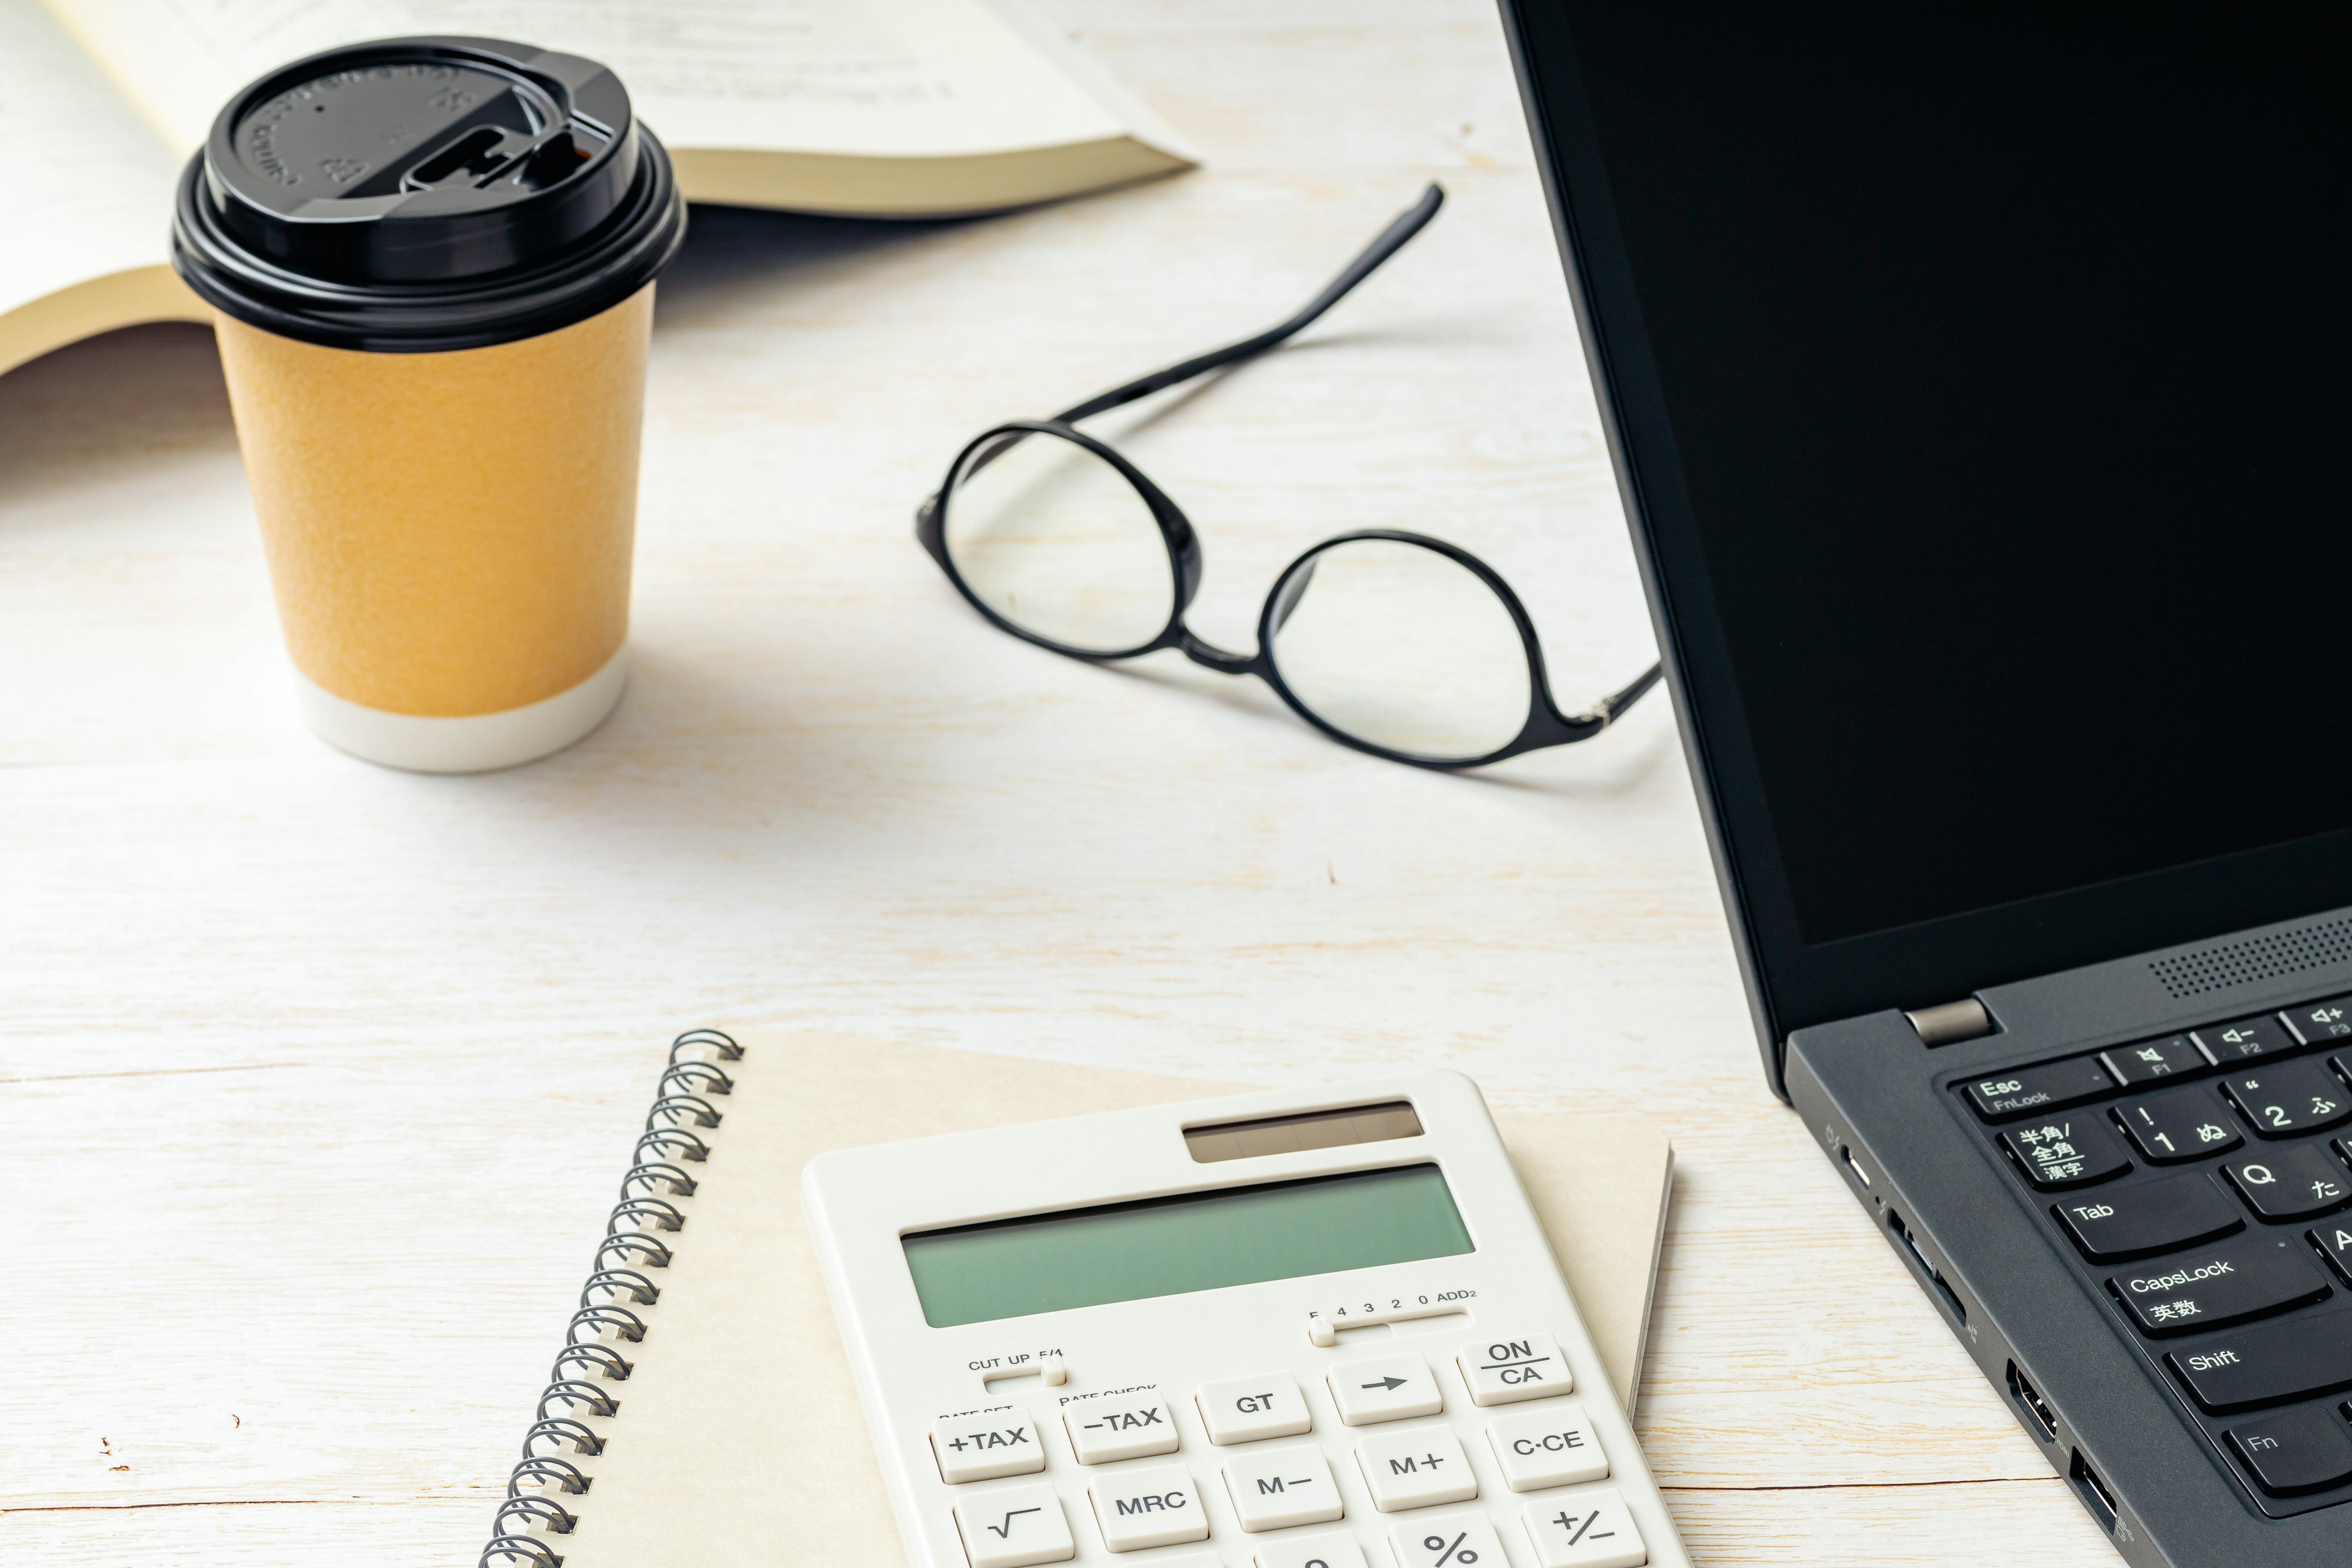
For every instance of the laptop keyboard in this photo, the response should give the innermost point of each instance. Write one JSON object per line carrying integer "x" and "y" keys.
{"x": 2203, "y": 1183}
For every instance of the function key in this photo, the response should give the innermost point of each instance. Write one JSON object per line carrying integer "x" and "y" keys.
{"x": 2179, "y": 1124}
{"x": 2152, "y": 1059}
{"x": 2074, "y": 1153}
{"x": 1385, "y": 1388}
{"x": 2334, "y": 1242}
{"x": 1155, "y": 1506}
{"x": 2151, "y": 1217}
{"x": 1276, "y": 1489}
{"x": 2269, "y": 1363}
{"x": 1252, "y": 1409}
{"x": 2293, "y": 1183}
{"x": 2288, "y": 1097}
{"x": 1102, "y": 1431}
{"x": 1591, "y": 1530}
{"x": 1459, "y": 1538}
{"x": 2245, "y": 1039}
{"x": 1405, "y": 1470}
{"x": 2046, "y": 1087}
{"x": 1015, "y": 1529}
{"x": 1553, "y": 1447}
{"x": 1325, "y": 1549}
{"x": 999, "y": 1442}
{"x": 2330, "y": 1020}
{"x": 1505, "y": 1371}
{"x": 2218, "y": 1286}
{"x": 2305, "y": 1451}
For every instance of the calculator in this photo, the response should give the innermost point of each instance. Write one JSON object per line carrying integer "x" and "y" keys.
{"x": 1310, "y": 1329}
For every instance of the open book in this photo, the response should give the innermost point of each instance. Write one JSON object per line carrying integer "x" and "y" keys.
{"x": 880, "y": 108}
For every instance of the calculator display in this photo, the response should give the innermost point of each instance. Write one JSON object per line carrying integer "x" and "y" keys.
{"x": 1195, "y": 1241}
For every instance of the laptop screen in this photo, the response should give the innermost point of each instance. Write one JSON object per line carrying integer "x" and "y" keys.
{"x": 2002, "y": 357}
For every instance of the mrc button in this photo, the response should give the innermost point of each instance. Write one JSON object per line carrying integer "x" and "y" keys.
{"x": 987, "y": 1443}
{"x": 1252, "y": 1409}
{"x": 1507, "y": 1368}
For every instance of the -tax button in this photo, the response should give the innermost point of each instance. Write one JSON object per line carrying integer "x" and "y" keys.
{"x": 1503, "y": 1371}
{"x": 1252, "y": 1409}
{"x": 984, "y": 1446}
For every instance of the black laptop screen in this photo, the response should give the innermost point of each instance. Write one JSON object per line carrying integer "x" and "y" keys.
{"x": 2007, "y": 354}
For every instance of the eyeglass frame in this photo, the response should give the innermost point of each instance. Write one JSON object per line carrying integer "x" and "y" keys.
{"x": 1546, "y": 725}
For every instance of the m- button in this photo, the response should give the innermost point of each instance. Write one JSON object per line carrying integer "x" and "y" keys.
{"x": 986, "y": 1445}
{"x": 1506, "y": 1370}
{"x": 1252, "y": 1409}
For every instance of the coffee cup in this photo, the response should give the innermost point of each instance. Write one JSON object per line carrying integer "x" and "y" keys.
{"x": 432, "y": 262}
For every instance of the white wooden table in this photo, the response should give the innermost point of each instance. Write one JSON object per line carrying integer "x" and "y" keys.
{"x": 314, "y": 1077}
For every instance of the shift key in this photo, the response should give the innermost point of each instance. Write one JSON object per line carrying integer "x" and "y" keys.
{"x": 2149, "y": 1217}
{"x": 2268, "y": 1362}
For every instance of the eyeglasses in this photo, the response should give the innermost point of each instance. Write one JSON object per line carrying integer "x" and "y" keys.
{"x": 1394, "y": 643}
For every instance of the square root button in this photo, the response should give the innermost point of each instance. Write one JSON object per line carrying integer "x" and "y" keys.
{"x": 1385, "y": 1388}
{"x": 1158, "y": 1506}
{"x": 1505, "y": 1369}
{"x": 1014, "y": 1528}
{"x": 1252, "y": 1409}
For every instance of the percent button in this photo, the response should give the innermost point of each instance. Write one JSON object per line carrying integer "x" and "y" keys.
{"x": 1464, "y": 1541}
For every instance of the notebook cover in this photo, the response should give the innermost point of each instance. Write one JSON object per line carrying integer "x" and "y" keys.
{"x": 739, "y": 1439}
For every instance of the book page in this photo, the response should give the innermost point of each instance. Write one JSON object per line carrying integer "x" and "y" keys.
{"x": 906, "y": 78}
{"x": 87, "y": 186}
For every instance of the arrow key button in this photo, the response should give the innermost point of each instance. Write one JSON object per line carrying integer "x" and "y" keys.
{"x": 1384, "y": 1388}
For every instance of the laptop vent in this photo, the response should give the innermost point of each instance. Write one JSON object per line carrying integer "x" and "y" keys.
{"x": 2227, "y": 963}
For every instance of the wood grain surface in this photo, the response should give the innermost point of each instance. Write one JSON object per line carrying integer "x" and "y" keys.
{"x": 316, "y": 1078}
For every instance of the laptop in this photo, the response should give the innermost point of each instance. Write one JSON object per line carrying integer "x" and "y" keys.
{"x": 1979, "y": 380}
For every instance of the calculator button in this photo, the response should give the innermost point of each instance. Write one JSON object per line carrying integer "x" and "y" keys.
{"x": 982, "y": 1448}
{"x": 2321, "y": 1020}
{"x": 2290, "y": 1097}
{"x": 2153, "y": 1217}
{"x": 1591, "y": 1530}
{"x": 1015, "y": 1529}
{"x": 2245, "y": 1039}
{"x": 2302, "y": 1451}
{"x": 1415, "y": 1469}
{"x": 1252, "y": 1409}
{"x": 2067, "y": 1152}
{"x": 2269, "y": 1363}
{"x": 1457, "y": 1540}
{"x": 1554, "y": 1447}
{"x": 2153, "y": 1059}
{"x": 2178, "y": 1124}
{"x": 1104, "y": 1430}
{"x": 2216, "y": 1285}
{"x": 2292, "y": 1183}
{"x": 1154, "y": 1507}
{"x": 1332, "y": 1548}
{"x": 1274, "y": 1489}
{"x": 1505, "y": 1371}
{"x": 1386, "y": 1388}
{"x": 2039, "y": 1089}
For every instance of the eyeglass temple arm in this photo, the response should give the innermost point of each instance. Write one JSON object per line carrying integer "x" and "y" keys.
{"x": 1607, "y": 711}
{"x": 1410, "y": 222}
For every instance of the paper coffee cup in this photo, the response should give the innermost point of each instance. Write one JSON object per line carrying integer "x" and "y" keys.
{"x": 434, "y": 262}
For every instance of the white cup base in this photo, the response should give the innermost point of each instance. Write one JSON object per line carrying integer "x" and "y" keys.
{"x": 476, "y": 743}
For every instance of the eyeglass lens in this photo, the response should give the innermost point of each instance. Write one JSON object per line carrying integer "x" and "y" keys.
{"x": 1056, "y": 542}
{"x": 1402, "y": 647}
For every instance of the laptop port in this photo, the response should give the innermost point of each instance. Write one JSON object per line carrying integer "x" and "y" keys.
{"x": 2044, "y": 1420}
{"x": 2094, "y": 1493}
{"x": 1853, "y": 1164}
{"x": 1944, "y": 1293}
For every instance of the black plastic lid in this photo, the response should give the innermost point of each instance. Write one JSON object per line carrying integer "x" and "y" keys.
{"x": 424, "y": 193}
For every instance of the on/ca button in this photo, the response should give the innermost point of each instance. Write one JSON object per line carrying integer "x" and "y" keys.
{"x": 1505, "y": 1370}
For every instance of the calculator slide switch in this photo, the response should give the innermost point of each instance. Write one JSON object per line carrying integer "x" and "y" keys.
{"x": 982, "y": 1447}
{"x": 1386, "y": 1388}
{"x": 1252, "y": 1409}
{"x": 1274, "y": 1489}
{"x": 1015, "y": 1529}
{"x": 1587, "y": 1530}
{"x": 1103, "y": 1431}
{"x": 1505, "y": 1371}
{"x": 1154, "y": 1507}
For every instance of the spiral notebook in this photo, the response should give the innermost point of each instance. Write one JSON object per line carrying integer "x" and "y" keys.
{"x": 701, "y": 1409}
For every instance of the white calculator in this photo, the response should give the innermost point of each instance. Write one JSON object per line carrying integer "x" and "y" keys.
{"x": 1317, "y": 1329}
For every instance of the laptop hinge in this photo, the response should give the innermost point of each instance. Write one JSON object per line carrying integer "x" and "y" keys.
{"x": 1963, "y": 1020}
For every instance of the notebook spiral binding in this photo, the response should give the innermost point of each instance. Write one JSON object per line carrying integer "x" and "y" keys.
{"x": 579, "y": 1386}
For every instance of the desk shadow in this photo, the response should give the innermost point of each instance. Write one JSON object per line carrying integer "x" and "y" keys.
{"x": 115, "y": 400}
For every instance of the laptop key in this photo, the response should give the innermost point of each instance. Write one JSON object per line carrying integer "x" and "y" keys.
{"x": 2330, "y": 1020}
{"x": 2153, "y": 1216}
{"x": 2046, "y": 1087}
{"x": 2070, "y": 1151}
{"x": 2293, "y": 1183}
{"x": 2267, "y": 1364}
{"x": 2215, "y": 1287}
{"x": 2335, "y": 1243}
{"x": 2178, "y": 1124}
{"x": 2289, "y": 1097}
{"x": 2152, "y": 1059}
{"x": 2245, "y": 1039}
{"x": 2305, "y": 1451}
